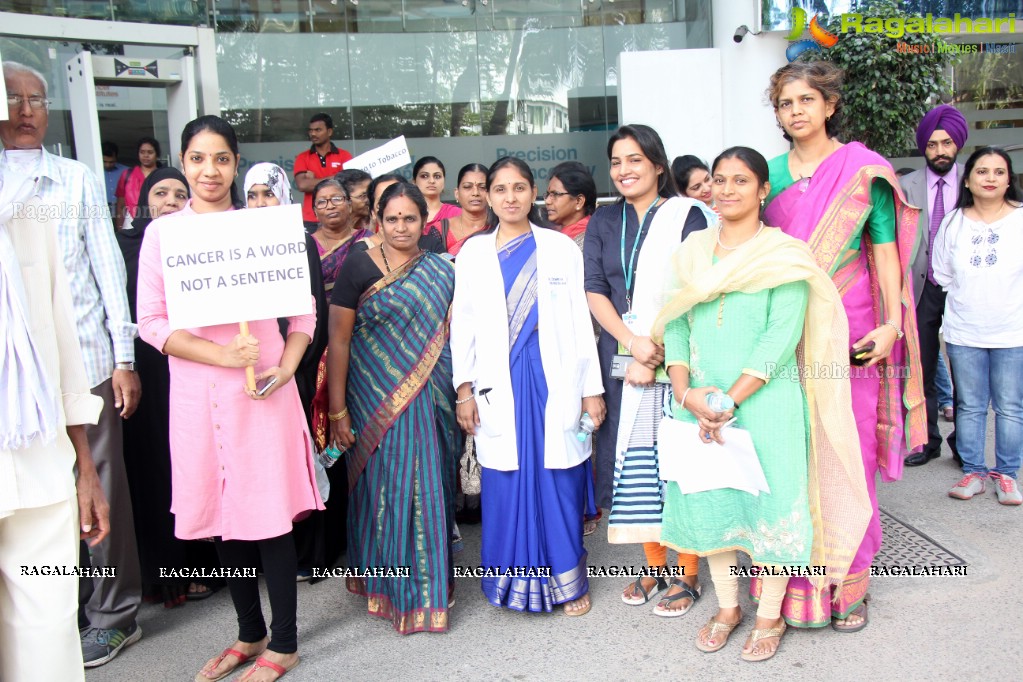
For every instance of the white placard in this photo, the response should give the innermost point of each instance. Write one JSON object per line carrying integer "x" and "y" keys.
{"x": 384, "y": 159}
{"x": 697, "y": 466}
{"x": 235, "y": 266}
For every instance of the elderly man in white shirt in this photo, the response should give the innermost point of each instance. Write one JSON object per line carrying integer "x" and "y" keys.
{"x": 50, "y": 493}
{"x": 71, "y": 197}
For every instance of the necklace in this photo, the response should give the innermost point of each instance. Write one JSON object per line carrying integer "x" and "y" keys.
{"x": 383, "y": 254}
{"x": 505, "y": 248}
{"x": 804, "y": 177}
{"x": 804, "y": 163}
{"x": 465, "y": 228}
{"x": 733, "y": 248}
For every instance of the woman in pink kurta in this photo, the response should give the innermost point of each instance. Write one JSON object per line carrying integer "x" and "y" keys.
{"x": 241, "y": 463}
{"x": 128, "y": 185}
{"x": 228, "y": 450}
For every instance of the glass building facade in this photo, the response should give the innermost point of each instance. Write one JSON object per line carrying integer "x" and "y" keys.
{"x": 463, "y": 80}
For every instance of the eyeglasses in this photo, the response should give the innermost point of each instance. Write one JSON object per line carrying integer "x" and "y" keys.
{"x": 556, "y": 195}
{"x": 337, "y": 200}
{"x": 360, "y": 197}
{"x": 35, "y": 102}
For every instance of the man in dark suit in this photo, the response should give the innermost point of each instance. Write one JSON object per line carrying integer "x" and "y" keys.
{"x": 935, "y": 188}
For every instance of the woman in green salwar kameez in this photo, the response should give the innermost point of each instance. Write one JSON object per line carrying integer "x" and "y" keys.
{"x": 749, "y": 295}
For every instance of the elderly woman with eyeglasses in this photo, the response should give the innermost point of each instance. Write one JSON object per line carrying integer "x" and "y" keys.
{"x": 334, "y": 240}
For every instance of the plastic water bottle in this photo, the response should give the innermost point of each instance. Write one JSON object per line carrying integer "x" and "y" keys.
{"x": 586, "y": 427}
{"x": 328, "y": 456}
{"x": 720, "y": 402}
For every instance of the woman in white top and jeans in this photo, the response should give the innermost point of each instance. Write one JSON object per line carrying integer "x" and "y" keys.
{"x": 978, "y": 259}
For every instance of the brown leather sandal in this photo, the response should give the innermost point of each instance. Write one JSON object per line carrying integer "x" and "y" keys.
{"x": 860, "y": 611}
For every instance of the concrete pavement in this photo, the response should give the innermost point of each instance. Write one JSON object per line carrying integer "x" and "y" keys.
{"x": 920, "y": 628}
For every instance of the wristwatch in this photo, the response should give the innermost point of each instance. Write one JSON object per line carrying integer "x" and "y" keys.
{"x": 898, "y": 331}
{"x": 126, "y": 366}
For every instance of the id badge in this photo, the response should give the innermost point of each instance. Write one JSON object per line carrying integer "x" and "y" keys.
{"x": 630, "y": 319}
{"x": 619, "y": 364}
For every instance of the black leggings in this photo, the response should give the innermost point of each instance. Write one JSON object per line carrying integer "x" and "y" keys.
{"x": 280, "y": 565}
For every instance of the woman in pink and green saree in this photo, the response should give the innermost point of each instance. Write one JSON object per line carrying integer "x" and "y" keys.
{"x": 843, "y": 200}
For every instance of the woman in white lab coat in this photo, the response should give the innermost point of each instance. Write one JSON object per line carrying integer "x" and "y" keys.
{"x": 526, "y": 370}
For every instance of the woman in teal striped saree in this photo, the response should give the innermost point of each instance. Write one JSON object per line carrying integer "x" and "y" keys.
{"x": 392, "y": 413}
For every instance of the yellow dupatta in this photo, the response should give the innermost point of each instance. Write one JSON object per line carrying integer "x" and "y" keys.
{"x": 840, "y": 506}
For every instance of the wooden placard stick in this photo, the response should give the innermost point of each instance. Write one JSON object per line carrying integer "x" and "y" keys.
{"x": 250, "y": 371}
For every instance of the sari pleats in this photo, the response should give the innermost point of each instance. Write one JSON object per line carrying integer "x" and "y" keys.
{"x": 402, "y": 468}
{"x": 532, "y": 516}
{"x": 888, "y": 406}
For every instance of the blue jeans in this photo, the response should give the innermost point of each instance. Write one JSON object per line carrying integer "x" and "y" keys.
{"x": 983, "y": 376}
{"x": 942, "y": 383}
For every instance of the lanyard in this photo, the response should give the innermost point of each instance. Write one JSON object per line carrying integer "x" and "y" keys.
{"x": 630, "y": 270}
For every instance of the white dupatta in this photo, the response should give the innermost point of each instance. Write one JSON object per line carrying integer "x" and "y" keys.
{"x": 28, "y": 403}
{"x": 654, "y": 280}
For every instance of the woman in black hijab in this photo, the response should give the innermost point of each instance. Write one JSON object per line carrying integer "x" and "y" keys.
{"x": 146, "y": 434}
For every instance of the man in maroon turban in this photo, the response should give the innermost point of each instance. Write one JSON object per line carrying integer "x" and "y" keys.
{"x": 935, "y": 189}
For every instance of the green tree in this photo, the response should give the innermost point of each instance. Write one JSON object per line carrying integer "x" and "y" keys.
{"x": 990, "y": 81}
{"x": 887, "y": 91}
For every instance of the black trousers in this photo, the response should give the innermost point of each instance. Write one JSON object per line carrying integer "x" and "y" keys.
{"x": 604, "y": 455}
{"x": 929, "y": 312}
{"x": 277, "y": 556}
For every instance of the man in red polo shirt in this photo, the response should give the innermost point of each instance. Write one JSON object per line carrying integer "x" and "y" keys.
{"x": 321, "y": 160}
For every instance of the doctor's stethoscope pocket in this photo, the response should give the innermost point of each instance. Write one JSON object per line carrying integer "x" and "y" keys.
{"x": 488, "y": 414}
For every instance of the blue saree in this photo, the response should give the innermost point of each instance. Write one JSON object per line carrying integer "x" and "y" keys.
{"x": 532, "y": 520}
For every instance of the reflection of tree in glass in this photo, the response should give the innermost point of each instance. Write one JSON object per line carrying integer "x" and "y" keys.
{"x": 991, "y": 81}
{"x": 436, "y": 83}
{"x": 534, "y": 64}
{"x": 261, "y": 74}
{"x": 421, "y": 84}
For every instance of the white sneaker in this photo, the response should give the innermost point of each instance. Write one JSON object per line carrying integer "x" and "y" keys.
{"x": 970, "y": 485}
{"x": 1006, "y": 489}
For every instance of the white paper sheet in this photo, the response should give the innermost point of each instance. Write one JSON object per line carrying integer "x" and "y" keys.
{"x": 697, "y": 466}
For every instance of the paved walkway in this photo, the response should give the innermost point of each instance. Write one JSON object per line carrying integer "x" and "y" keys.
{"x": 920, "y": 629}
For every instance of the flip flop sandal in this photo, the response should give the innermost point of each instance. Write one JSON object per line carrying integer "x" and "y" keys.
{"x": 199, "y": 596}
{"x": 717, "y": 628}
{"x": 765, "y": 633}
{"x": 580, "y": 612}
{"x": 860, "y": 611}
{"x": 265, "y": 663}
{"x": 590, "y": 526}
{"x": 638, "y": 587}
{"x": 667, "y": 600}
{"x": 242, "y": 659}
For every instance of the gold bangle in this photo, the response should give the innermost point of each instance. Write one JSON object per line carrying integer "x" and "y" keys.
{"x": 339, "y": 416}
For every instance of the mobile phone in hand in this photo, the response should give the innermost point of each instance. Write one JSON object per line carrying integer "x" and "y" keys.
{"x": 858, "y": 356}
{"x": 266, "y": 386}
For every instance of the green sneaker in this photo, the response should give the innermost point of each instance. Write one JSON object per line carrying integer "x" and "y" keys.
{"x": 101, "y": 645}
